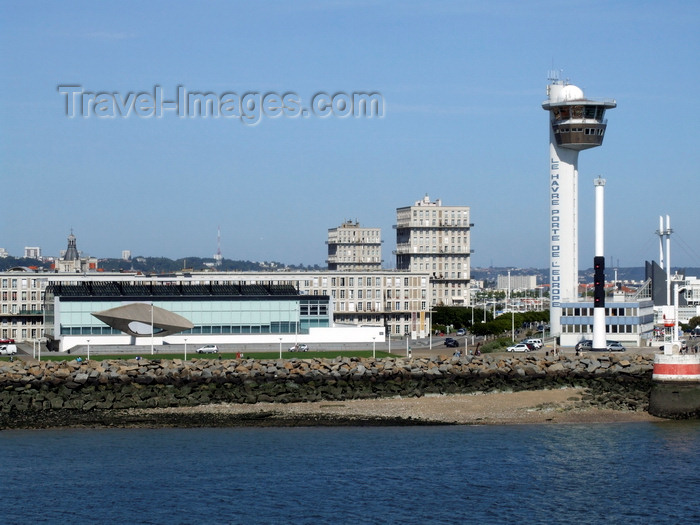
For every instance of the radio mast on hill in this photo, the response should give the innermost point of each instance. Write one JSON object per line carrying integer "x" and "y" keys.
{"x": 218, "y": 257}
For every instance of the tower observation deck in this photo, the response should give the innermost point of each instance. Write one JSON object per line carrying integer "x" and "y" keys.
{"x": 576, "y": 124}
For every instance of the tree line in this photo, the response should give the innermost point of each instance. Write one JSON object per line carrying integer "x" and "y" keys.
{"x": 459, "y": 317}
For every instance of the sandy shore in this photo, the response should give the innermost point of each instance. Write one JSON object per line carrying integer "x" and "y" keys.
{"x": 542, "y": 406}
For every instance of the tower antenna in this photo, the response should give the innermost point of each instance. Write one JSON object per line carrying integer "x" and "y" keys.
{"x": 218, "y": 257}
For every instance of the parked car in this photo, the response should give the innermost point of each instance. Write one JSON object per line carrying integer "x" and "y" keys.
{"x": 532, "y": 346}
{"x": 8, "y": 349}
{"x": 451, "y": 343}
{"x": 299, "y": 348}
{"x": 615, "y": 346}
{"x": 520, "y": 347}
{"x": 461, "y": 331}
{"x": 586, "y": 344}
{"x": 208, "y": 349}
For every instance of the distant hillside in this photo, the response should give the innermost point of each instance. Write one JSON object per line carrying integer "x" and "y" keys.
{"x": 623, "y": 274}
{"x": 162, "y": 265}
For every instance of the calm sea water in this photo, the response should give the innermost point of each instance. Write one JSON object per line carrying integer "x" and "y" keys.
{"x": 602, "y": 473}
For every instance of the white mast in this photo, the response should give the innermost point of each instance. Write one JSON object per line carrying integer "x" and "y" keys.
{"x": 599, "y": 338}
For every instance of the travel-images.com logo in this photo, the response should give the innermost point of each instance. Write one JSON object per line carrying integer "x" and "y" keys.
{"x": 249, "y": 108}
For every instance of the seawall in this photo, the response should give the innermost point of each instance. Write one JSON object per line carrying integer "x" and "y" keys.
{"x": 52, "y": 393}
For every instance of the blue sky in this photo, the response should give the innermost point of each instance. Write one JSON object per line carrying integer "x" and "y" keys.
{"x": 462, "y": 84}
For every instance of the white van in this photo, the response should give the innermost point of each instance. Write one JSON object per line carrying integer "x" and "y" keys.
{"x": 537, "y": 343}
{"x": 8, "y": 349}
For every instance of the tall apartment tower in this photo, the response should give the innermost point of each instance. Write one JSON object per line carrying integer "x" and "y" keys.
{"x": 434, "y": 238}
{"x": 576, "y": 124}
{"x": 353, "y": 248}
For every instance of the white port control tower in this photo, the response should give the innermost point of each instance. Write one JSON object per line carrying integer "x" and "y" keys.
{"x": 576, "y": 123}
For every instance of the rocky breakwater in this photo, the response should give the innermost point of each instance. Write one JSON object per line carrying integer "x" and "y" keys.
{"x": 67, "y": 392}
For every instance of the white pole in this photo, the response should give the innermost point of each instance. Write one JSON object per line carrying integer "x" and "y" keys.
{"x": 512, "y": 313}
{"x": 152, "y": 329}
{"x": 88, "y": 351}
{"x": 280, "y": 348}
{"x": 668, "y": 259}
{"x": 374, "y": 349}
{"x": 661, "y": 242}
{"x": 674, "y": 338}
{"x": 185, "y": 349}
{"x": 39, "y": 352}
{"x": 599, "y": 337}
{"x": 430, "y": 331}
{"x": 390, "y": 339}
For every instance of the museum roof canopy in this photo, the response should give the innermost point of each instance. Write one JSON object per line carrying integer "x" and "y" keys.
{"x": 141, "y": 319}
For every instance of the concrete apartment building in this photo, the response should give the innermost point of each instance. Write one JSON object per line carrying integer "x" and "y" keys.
{"x": 436, "y": 239}
{"x": 21, "y": 304}
{"x": 516, "y": 282}
{"x": 397, "y": 300}
{"x": 353, "y": 248}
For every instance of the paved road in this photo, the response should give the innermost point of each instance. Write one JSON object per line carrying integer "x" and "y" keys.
{"x": 420, "y": 348}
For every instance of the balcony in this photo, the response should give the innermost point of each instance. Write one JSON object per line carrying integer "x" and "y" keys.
{"x": 409, "y": 249}
{"x": 441, "y": 224}
{"x": 23, "y": 313}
